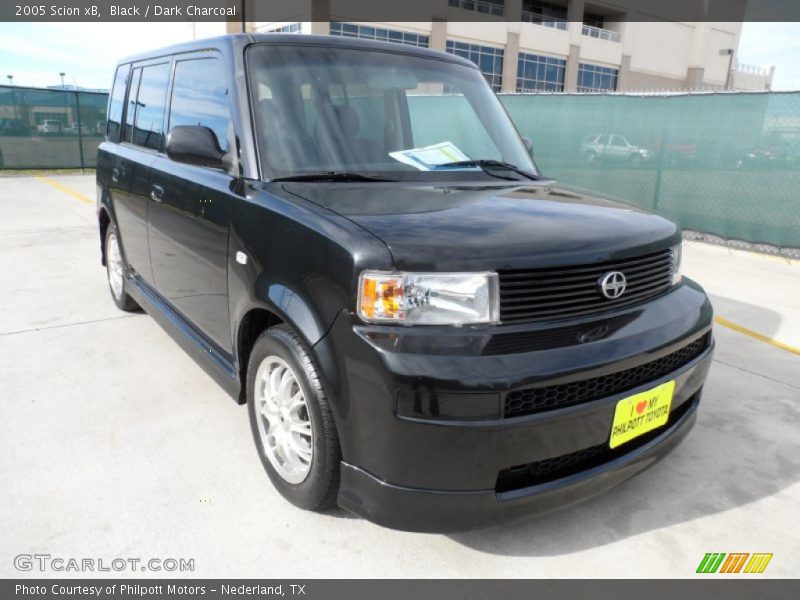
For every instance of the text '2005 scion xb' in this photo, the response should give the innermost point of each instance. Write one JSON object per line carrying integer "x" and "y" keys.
{"x": 352, "y": 238}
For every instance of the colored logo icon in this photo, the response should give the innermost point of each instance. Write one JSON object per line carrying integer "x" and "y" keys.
{"x": 734, "y": 562}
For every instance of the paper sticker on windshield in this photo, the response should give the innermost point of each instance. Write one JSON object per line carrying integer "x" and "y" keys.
{"x": 430, "y": 157}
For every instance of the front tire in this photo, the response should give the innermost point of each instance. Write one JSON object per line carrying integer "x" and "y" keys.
{"x": 115, "y": 271}
{"x": 291, "y": 420}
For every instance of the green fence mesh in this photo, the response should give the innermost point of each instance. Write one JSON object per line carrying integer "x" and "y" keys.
{"x": 727, "y": 164}
{"x": 56, "y": 129}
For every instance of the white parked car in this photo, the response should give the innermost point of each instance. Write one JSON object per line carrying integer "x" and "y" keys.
{"x": 73, "y": 129}
{"x": 613, "y": 147}
{"x": 49, "y": 127}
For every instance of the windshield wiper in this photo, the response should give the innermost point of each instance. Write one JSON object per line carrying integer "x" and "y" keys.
{"x": 333, "y": 176}
{"x": 490, "y": 167}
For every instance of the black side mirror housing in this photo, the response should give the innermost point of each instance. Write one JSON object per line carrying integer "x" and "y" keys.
{"x": 528, "y": 144}
{"x": 195, "y": 145}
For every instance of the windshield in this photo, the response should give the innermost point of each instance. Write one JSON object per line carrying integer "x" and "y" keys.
{"x": 336, "y": 110}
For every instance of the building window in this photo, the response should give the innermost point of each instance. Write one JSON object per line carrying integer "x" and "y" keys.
{"x": 365, "y": 32}
{"x": 540, "y": 73}
{"x": 488, "y": 59}
{"x": 594, "y": 78}
{"x": 290, "y": 28}
{"x": 593, "y": 20}
{"x": 545, "y": 13}
{"x": 489, "y": 7}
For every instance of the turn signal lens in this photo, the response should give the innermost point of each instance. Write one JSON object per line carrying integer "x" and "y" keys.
{"x": 428, "y": 298}
{"x": 381, "y": 298}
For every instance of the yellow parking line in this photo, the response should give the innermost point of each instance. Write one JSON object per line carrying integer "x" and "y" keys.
{"x": 783, "y": 259}
{"x": 755, "y": 335}
{"x": 62, "y": 188}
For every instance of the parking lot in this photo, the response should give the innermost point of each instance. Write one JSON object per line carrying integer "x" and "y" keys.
{"x": 116, "y": 444}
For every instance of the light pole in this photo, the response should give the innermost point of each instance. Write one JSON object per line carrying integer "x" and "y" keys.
{"x": 66, "y": 111}
{"x": 13, "y": 95}
{"x": 729, "y": 53}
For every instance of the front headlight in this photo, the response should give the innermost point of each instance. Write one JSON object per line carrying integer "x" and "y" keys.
{"x": 677, "y": 252}
{"x": 428, "y": 298}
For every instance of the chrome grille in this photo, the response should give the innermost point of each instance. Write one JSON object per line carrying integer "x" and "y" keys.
{"x": 561, "y": 292}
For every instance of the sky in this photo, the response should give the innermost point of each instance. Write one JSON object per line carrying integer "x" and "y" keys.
{"x": 35, "y": 53}
{"x": 765, "y": 44}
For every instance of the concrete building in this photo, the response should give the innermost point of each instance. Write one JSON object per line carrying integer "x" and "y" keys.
{"x": 555, "y": 45}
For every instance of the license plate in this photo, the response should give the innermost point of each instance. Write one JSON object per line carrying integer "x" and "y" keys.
{"x": 640, "y": 413}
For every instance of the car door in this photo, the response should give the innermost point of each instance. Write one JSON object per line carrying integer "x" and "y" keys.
{"x": 141, "y": 141}
{"x": 190, "y": 206}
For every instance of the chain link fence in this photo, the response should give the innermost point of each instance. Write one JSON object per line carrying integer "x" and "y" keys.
{"x": 50, "y": 129}
{"x": 726, "y": 163}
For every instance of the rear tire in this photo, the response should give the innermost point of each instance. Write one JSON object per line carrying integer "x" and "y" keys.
{"x": 115, "y": 271}
{"x": 291, "y": 420}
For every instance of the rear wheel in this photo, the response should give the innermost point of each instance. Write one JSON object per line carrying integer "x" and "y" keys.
{"x": 115, "y": 269}
{"x": 291, "y": 420}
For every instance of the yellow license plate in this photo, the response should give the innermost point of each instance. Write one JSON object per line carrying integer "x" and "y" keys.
{"x": 640, "y": 413}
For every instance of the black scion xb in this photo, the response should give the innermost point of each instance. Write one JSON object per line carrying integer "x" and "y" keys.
{"x": 351, "y": 237}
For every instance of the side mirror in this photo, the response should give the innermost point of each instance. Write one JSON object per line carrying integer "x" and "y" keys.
{"x": 195, "y": 145}
{"x": 528, "y": 144}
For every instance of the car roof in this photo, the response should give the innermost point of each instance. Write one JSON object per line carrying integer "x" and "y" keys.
{"x": 237, "y": 42}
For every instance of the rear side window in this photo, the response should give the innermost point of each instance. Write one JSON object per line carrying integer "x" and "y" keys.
{"x": 200, "y": 97}
{"x": 117, "y": 102}
{"x": 148, "y": 128}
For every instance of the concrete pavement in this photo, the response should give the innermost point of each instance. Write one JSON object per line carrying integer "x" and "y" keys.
{"x": 116, "y": 444}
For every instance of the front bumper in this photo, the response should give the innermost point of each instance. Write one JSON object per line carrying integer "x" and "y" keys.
{"x": 458, "y": 467}
{"x": 440, "y": 511}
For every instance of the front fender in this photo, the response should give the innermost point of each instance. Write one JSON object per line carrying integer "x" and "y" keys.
{"x": 296, "y": 259}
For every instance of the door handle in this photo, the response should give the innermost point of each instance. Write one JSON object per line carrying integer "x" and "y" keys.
{"x": 115, "y": 174}
{"x": 157, "y": 193}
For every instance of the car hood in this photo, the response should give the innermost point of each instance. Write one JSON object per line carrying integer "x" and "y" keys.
{"x": 442, "y": 227}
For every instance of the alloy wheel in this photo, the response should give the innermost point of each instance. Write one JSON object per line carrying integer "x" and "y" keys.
{"x": 115, "y": 269}
{"x": 284, "y": 421}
